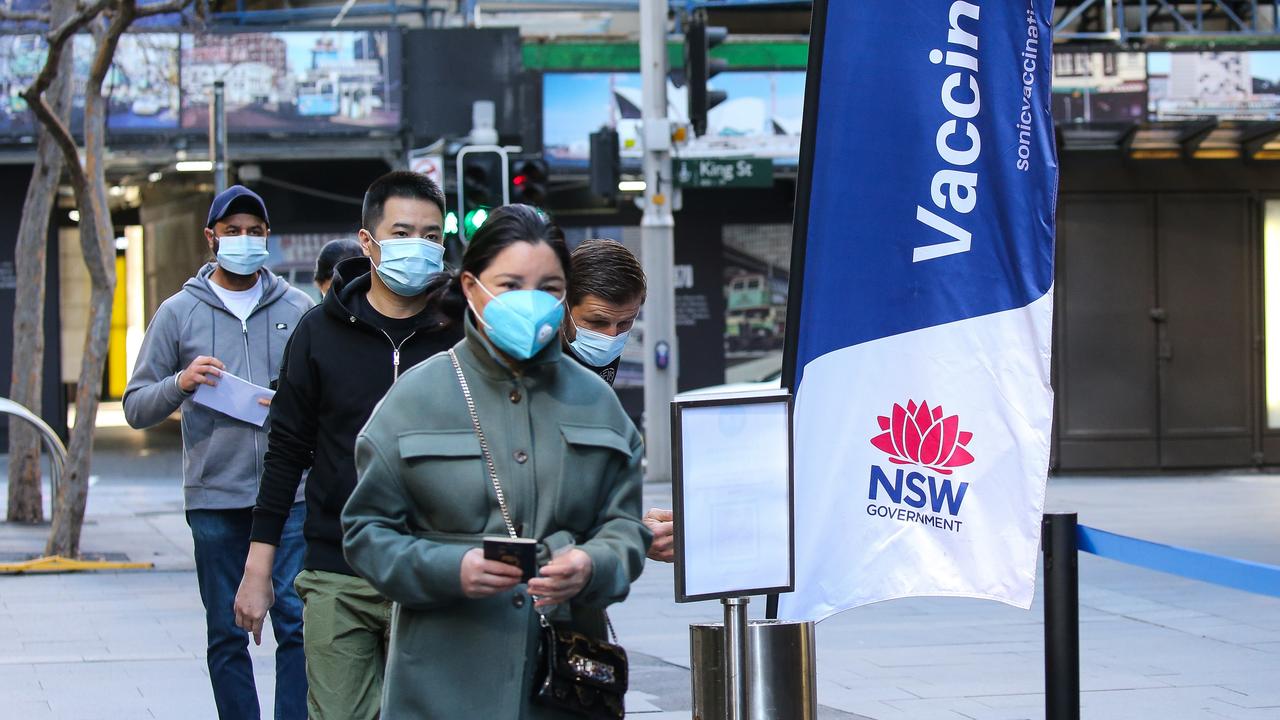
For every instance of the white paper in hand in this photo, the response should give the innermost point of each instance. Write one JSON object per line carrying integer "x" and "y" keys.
{"x": 236, "y": 397}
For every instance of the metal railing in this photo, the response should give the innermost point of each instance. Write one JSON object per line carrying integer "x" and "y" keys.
{"x": 52, "y": 443}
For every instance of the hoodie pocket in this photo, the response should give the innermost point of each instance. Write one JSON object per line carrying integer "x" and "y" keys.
{"x": 446, "y": 477}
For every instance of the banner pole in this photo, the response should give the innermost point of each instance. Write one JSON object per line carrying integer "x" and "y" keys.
{"x": 1061, "y": 617}
{"x": 800, "y": 222}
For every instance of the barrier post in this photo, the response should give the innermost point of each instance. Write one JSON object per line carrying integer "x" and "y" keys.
{"x": 1061, "y": 617}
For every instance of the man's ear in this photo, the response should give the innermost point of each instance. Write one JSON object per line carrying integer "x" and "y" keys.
{"x": 212, "y": 240}
{"x": 366, "y": 241}
{"x": 567, "y": 327}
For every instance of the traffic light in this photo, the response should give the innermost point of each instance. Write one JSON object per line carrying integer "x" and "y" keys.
{"x": 699, "y": 67}
{"x": 529, "y": 178}
{"x": 606, "y": 165}
{"x": 481, "y": 188}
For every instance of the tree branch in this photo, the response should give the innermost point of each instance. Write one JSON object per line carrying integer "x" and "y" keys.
{"x": 120, "y": 21}
{"x": 57, "y": 40}
{"x": 163, "y": 8}
{"x": 60, "y": 134}
{"x": 8, "y": 14}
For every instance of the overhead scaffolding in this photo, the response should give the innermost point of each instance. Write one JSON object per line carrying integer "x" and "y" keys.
{"x": 1128, "y": 21}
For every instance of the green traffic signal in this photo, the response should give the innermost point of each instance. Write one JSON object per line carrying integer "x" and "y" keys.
{"x": 474, "y": 219}
{"x": 451, "y": 223}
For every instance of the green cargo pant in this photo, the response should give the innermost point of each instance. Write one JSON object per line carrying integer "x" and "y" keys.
{"x": 345, "y": 628}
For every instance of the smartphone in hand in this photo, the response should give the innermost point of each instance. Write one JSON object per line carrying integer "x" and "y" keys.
{"x": 520, "y": 552}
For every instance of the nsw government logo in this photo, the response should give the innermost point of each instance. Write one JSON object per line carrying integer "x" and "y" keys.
{"x": 924, "y": 438}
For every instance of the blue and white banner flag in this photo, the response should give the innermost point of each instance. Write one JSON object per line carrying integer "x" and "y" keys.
{"x": 921, "y": 342}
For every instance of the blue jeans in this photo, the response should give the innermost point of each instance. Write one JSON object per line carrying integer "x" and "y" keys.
{"x": 222, "y": 545}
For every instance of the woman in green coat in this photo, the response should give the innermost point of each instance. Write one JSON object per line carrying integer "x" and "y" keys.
{"x": 465, "y": 630}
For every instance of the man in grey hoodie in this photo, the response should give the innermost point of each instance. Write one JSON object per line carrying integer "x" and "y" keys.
{"x": 234, "y": 316}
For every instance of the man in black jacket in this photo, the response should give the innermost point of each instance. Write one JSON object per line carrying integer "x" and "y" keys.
{"x": 343, "y": 357}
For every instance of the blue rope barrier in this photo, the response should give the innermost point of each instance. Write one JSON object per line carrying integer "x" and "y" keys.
{"x": 1229, "y": 572}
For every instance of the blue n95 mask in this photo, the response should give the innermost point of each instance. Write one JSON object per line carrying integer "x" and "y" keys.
{"x": 521, "y": 322}
{"x": 242, "y": 254}
{"x": 596, "y": 348}
{"x": 408, "y": 263}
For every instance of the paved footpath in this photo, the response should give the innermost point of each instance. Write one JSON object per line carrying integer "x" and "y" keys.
{"x": 125, "y": 645}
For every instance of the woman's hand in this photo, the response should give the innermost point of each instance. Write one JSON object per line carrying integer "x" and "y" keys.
{"x": 561, "y": 579}
{"x": 484, "y": 578}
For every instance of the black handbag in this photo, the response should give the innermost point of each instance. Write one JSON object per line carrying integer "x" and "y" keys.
{"x": 581, "y": 675}
{"x": 576, "y": 673}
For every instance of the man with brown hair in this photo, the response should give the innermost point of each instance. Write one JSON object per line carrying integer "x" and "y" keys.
{"x": 606, "y": 291}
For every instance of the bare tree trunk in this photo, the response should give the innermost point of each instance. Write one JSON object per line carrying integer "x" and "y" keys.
{"x": 108, "y": 20}
{"x": 26, "y": 382}
{"x": 98, "y": 246}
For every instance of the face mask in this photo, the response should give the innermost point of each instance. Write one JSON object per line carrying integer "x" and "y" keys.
{"x": 242, "y": 254}
{"x": 596, "y": 348}
{"x": 521, "y": 322}
{"x": 408, "y": 263}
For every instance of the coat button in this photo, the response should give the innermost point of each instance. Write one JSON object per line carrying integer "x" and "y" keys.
{"x": 515, "y": 396}
{"x": 521, "y": 457}
{"x": 517, "y": 600}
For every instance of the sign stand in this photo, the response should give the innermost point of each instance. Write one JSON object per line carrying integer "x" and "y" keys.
{"x": 733, "y": 512}
{"x": 736, "y": 653}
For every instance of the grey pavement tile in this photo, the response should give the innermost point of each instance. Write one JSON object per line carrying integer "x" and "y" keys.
{"x": 851, "y": 700}
{"x": 1167, "y": 703}
{"x": 1267, "y": 696}
{"x": 958, "y": 709}
{"x": 34, "y": 709}
{"x": 1017, "y": 703}
{"x": 20, "y": 689}
{"x": 864, "y": 691}
{"x": 1233, "y": 713}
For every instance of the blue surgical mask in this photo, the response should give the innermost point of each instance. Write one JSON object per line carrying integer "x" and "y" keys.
{"x": 242, "y": 254}
{"x": 596, "y": 348}
{"x": 408, "y": 263}
{"x": 521, "y": 322}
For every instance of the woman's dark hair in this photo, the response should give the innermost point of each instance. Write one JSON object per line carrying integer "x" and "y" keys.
{"x": 334, "y": 252}
{"x": 505, "y": 226}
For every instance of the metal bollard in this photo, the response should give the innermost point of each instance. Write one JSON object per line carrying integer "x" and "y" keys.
{"x": 1061, "y": 617}
{"x": 780, "y": 671}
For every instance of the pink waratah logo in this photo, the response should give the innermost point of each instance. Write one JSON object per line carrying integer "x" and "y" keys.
{"x": 920, "y": 435}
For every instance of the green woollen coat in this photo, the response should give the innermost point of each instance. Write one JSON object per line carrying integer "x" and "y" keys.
{"x": 568, "y": 459}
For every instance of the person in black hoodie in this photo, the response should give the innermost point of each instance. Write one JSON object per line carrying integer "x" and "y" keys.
{"x": 344, "y": 355}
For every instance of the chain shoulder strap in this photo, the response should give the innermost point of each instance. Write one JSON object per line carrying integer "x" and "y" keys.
{"x": 493, "y": 471}
{"x": 484, "y": 445}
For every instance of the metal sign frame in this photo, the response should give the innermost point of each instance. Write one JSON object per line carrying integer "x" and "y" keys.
{"x": 678, "y": 451}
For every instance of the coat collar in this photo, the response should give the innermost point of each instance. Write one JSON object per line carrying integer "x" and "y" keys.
{"x": 485, "y": 357}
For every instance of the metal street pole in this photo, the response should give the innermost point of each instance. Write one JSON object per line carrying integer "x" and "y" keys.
{"x": 218, "y": 137}
{"x": 656, "y": 240}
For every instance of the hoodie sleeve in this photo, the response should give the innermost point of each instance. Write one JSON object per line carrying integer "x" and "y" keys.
{"x": 153, "y": 393}
{"x": 291, "y": 442}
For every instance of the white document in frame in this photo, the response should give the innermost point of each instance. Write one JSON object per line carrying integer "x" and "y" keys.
{"x": 236, "y": 397}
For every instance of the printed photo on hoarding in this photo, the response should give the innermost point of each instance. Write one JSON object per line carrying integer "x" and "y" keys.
{"x": 294, "y": 81}
{"x": 760, "y": 117}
